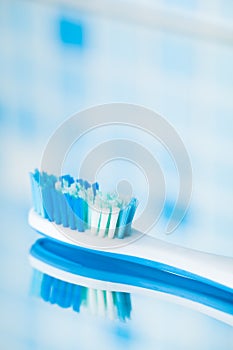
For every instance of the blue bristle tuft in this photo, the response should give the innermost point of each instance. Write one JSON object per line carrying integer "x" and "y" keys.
{"x": 54, "y": 291}
{"x": 80, "y": 181}
{"x": 95, "y": 187}
{"x": 56, "y": 209}
{"x": 68, "y": 295}
{"x": 34, "y": 192}
{"x": 61, "y": 294}
{"x": 67, "y": 178}
{"x": 76, "y": 298}
{"x": 133, "y": 206}
{"x": 63, "y": 209}
{"x": 37, "y": 175}
{"x": 86, "y": 185}
{"x": 47, "y": 203}
{"x": 78, "y": 209}
{"x": 46, "y": 287}
{"x": 35, "y": 183}
{"x": 70, "y": 211}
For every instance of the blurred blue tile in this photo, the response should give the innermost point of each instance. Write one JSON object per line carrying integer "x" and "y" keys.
{"x": 22, "y": 68}
{"x": 123, "y": 333}
{"x": 2, "y": 113}
{"x": 26, "y": 122}
{"x": 72, "y": 84}
{"x": 222, "y": 127}
{"x": 178, "y": 56}
{"x": 20, "y": 16}
{"x": 185, "y": 4}
{"x": 226, "y": 8}
{"x": 71, "y": 32}
{"x": 224, "y": 68}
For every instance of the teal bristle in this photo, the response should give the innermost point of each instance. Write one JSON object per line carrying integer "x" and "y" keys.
{"x": 120, "y": 232}
{"x": 123, "y": 305}
{"x": 122, "y": 221}
{"x": 85, "y": 215}
{"x": 79, "y": 205}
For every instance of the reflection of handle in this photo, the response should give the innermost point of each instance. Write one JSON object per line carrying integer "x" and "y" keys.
{"x": 210, "y": 266}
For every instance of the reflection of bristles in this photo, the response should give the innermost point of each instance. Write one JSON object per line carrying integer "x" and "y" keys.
{"x": 112, "y": 305}
{"x": 81, "y": 206}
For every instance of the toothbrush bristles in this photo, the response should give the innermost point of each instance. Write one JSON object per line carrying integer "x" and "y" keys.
{"x": 81, "y": 206}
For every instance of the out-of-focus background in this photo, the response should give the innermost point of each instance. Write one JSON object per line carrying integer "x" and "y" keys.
{"x": 59, "y": 57}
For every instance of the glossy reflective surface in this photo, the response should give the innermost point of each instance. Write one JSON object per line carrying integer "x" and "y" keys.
{"x": 31, "y": 323}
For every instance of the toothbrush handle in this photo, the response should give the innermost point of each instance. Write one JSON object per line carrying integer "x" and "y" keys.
{"x": 188, "y": 261}
{"x": 216, "y": 268}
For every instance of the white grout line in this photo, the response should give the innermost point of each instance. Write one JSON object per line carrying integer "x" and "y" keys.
{"x": 177, "y": 21}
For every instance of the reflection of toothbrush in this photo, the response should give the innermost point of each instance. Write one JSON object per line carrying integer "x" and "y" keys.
{"x": 56, "y": 280}
{"x": 82, "y": 278}
{"x": 209, "y": 269}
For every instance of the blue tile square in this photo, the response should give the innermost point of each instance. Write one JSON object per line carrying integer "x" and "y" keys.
{"x": 71, "y": 32}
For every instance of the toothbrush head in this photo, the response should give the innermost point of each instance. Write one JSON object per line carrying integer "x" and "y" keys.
{"x": 81, "y": 206}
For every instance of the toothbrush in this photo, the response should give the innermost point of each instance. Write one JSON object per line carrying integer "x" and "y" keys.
{"x": 119, "y": 240}
{"x": 79, "y": 278}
